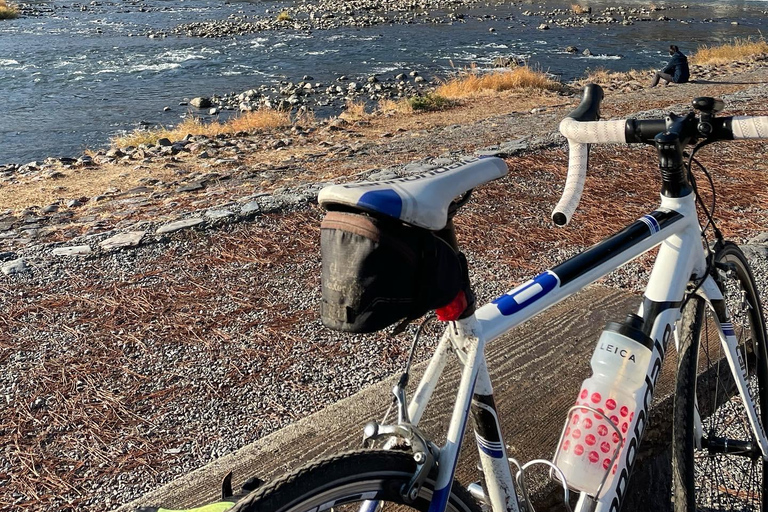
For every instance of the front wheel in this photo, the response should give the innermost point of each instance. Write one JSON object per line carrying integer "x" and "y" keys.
{"x": 720, "y": 467}
{"x": 368, "y": 480}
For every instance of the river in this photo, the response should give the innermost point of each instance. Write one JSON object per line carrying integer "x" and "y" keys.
{"x": 77, "y": 74}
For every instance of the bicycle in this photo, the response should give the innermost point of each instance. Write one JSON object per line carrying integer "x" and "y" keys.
{"x": 704, "y": 297}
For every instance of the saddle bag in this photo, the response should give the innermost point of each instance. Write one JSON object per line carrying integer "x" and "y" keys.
{"x": 379, "y": 271}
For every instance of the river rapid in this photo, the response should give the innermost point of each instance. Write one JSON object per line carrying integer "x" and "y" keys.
{"x": 73, "y": 75}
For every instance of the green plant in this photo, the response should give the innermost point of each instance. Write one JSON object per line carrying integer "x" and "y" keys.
{"x": 430, "y": 102}
{"x": 284, "y": 16}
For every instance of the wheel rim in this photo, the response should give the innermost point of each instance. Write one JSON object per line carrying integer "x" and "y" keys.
{"x": 371, "y": 495}
{"x": 728, "y": 481}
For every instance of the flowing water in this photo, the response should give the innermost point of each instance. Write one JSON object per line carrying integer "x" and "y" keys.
{"x": 77, "y": 74}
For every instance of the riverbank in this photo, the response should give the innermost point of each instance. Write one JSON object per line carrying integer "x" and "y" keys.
{"x": 165, "y": 314}
{"x": 61, "y": 103}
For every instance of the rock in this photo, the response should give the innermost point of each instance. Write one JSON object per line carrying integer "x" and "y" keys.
{"x": 75, "y": 250}
{"x": 7, "y": 256}
{"x": 505, "y": 149}
{"x": 74, "y": 203}
{"x": 85, "y": 161}
{"x": 572, "y": 49}
{"x": 16, "y": 266}
{"x": 215, "y": 215}
{"x": 543, "y": 26}
{"x": 586, "y": 52}
{"x": 191, "y": 187}
{"x": 249, "y": 209}
{"x": 164, "y": 142}
{"x": 179, "y": 225}
{"x": 130, "y": 239}
{"x": 504, "y": 62}
{"x": 201, "y": 102}
{"x": 51, "y": 208}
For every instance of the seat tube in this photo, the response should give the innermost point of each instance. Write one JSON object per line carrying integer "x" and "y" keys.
{"x": 499, "y": 483}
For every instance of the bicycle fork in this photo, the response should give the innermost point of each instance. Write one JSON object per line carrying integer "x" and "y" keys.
{"x": 738, "y": 367}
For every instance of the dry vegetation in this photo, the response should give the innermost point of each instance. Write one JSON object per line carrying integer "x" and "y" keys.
{"x": 604, "y": 76}
{"x": 248, "y": 122}
{"x": 580, "y": 9}
{"x": 8, "y": 11}
{"x": 472, "y": 83}
{"x": 738, "y": 50}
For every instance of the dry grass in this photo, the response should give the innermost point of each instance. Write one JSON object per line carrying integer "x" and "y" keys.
{"x": 8, "y": 11}
{"x": 471, "y": 82}
{"x": 354, "y": 111}
{"x": 580, "y": 9}
{"x": 603, "y": 76}
{"x": 389, "y": 107}
{"x": 738, "y": 51}
{"x": 250, "y": 122}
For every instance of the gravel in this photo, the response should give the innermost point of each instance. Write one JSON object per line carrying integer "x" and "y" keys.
{"x": 123, "y": 369}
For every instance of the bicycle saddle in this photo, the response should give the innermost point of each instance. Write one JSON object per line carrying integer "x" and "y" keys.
{"x": 422, "y": 199}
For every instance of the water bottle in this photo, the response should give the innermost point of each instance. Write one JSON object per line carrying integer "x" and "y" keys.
{"x": 590, "y": 440}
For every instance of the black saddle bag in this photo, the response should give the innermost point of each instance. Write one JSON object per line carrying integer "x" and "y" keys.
{"x": 377, "y": 272}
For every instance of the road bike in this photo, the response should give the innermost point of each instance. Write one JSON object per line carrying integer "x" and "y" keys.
{"x": 397, "y": 237}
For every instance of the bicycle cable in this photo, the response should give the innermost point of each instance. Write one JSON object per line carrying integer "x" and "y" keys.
{"x": 709, "y": 214}
{"x": 405, "y": 376}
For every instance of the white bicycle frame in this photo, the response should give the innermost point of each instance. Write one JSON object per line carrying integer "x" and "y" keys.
{"x": 681, "y": 258}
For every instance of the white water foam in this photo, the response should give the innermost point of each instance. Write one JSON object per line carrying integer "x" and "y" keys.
{"x": 8, "y": 62}
{"x": 600, "y": 57}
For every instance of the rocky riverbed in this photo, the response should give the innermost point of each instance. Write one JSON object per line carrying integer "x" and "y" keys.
{"x": 146, "y": 330}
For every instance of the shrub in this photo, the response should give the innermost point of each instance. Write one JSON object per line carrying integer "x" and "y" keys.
{"x": 284, "y": 16}
{"x": 430, "y": 102}
{"x": 471, "y": 82}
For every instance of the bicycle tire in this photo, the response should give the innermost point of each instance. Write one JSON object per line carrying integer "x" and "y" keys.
{"x": 343, "y": 482}
{"x": 707, "y": 479}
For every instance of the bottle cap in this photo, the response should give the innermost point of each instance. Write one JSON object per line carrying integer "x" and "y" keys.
{"x": 632, "y": 328}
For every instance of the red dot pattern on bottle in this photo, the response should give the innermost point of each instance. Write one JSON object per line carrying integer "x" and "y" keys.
{"x": 595, "y": 441}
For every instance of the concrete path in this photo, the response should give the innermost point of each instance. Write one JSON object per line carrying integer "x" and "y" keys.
{"x": 536, "y": 370}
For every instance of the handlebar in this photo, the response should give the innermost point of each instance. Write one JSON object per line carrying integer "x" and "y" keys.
{"x": 582, "y": 127}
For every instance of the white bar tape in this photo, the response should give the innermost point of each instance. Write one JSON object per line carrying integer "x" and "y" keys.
{"x": 593, "y": 131}
{"x": 750, "y": 127}
{"x": 578, "y": 157}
